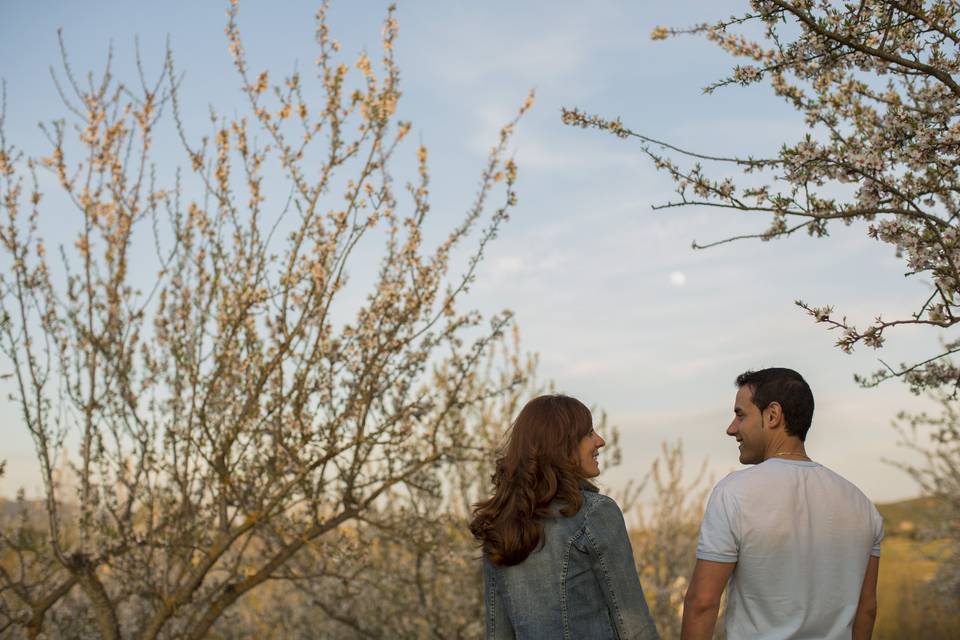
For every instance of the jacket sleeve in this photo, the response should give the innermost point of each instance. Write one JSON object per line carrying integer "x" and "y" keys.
{"x": 497, "y": 625}
{"x": 616, "y": 572}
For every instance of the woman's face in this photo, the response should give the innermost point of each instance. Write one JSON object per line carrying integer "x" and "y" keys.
{"x": 589, "y": 447}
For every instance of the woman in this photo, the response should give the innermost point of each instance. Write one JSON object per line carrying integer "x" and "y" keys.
{"x": 557, "y": 561}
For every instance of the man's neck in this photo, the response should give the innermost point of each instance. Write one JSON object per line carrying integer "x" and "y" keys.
{"x": 786, "y": 449}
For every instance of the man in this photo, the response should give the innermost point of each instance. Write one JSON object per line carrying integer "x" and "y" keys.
{"x": 799, "y": 545}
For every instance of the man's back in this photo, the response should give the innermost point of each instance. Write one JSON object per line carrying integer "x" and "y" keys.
{"x": 801, "y": 536}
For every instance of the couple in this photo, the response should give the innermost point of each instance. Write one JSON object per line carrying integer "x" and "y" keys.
{"x": 798, "y": 545}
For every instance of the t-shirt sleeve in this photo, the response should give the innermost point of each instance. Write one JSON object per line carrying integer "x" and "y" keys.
{"x": 719, "y": 531}
{"x": 877, "y": 521}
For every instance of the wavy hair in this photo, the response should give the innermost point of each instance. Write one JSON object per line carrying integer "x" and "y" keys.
{"x": 539, "y": 463}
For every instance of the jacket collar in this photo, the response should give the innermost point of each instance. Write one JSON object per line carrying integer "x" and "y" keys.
{"x": 586, "y": 485}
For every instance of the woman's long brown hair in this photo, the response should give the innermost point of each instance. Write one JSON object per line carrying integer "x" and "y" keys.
{"x": 539, "y": 463}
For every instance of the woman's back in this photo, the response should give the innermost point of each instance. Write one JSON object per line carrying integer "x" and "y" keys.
{"x": 582, "y": 582}
{"x": 557, "y": 557}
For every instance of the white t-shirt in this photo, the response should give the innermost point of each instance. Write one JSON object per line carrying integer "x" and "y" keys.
{"x": 801, "y": 536}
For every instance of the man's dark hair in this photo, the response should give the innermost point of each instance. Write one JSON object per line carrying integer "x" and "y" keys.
{"x": 789, "y": 389}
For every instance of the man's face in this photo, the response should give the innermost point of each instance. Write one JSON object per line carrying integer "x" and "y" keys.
{"x": 747, "y": 427}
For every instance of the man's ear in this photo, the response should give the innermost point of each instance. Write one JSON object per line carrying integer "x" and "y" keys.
{"x": 773, "y": 415}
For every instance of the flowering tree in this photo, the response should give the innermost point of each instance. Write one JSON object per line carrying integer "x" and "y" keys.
{"x": 198, "y": 432}
{"x": 875, "y": 81}
{"x": 414, "y": 571}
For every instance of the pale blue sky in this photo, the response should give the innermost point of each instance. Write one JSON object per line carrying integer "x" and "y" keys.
{"x": 584, "y": 262}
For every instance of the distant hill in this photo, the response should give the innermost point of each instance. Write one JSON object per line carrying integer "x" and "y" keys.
{"x": 910, "y": 517}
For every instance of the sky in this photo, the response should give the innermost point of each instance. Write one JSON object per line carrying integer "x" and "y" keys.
{"x": 608, "y": 292}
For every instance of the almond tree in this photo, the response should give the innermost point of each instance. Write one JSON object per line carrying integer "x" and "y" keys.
{"x": 874, "y": 80}
{"x": 414, "y": 570}
{"x": 198, "y": 431}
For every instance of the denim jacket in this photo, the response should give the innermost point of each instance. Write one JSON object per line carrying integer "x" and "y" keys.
{"x": 581, "y": 584}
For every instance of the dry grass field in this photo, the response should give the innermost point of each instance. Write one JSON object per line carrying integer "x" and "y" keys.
{"x": 907, "y": 567}
{"x": 906, "y": 611}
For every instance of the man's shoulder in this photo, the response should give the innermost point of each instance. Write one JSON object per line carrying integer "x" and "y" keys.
{"x": 847, "y": 487}
{"x": 736, "y": 481}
